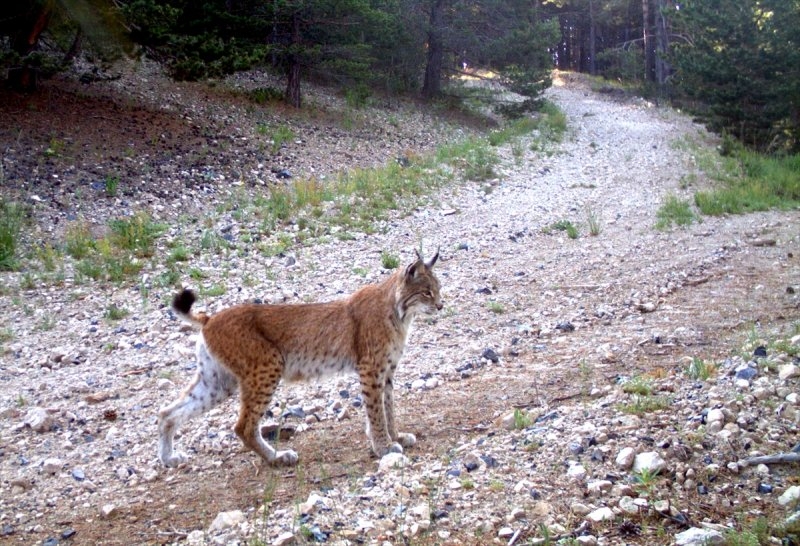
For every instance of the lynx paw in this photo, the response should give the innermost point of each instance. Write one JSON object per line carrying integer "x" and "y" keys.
{"x": 285, "y": 458}
{"x": 406, "y": 439}
{"x": 175, "y": 459}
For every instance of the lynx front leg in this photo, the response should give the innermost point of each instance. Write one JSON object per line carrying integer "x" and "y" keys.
{"x": 256, "y": 393}
{"x": 377, "y": 431}
{"x": 405, "y": 439}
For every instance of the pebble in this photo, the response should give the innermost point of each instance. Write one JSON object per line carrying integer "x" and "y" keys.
{"x": 625, "y": 458}
{"x": 226, "y": 520}
{"x": 649, "y": 461}
{"x": 695, "y": 536}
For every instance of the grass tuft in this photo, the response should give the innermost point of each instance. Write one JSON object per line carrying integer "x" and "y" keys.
{"x": 12, "y": 218}
{"x": 674, "y": 211}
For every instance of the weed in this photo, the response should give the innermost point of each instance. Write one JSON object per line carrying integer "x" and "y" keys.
{"x": 389, "y": 261}
{"x": 137, "y": 234}
{"x": 46, "y": 324}
{"x": 178, "y": 254}
{"x": 467, "y": 484}
{"x": 215, "y": 290}
{"x": 563, "y": 225}
{"x": 638, "y": 385}
{"x": 12, "y": 218}
{"x": 111, "y": 184}
{"x": 114, "y": 312}
{"x": 6, "y": 335}
{"x": 496, "y": 486}
{"x": 48, "y": 255}
{"x": 522, "y": 419}
{"x": 280, "y": 136}
{"x": 594, "y": 221}
{"x": 674, "y": 211}
{"x": 78, "y": 240}
{"x": 21, "y": 401}
{"x": 496, "y": 307}
{"x": 643, "y": 404}
{"x": 699, "y": 369}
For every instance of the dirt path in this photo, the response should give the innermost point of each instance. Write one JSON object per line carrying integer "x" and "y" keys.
{"x": 566, "y": 318}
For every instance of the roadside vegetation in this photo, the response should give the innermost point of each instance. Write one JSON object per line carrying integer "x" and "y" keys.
{"x": 298, "y": 212}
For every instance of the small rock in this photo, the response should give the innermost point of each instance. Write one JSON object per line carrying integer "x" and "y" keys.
{"x": 491, "y": 355}
{"x": 576, "y": 471}
{"x": 579, "y": 509}
{"x": 39, "y": 419}
{"x": 108, "y": 511}
{"x": 699, "y": 537}
{"x": 312, "y": 504}
{"x": 226, "y": 520}
{"x": 625, "y": 458}
{"x": 52, "y": 465}
{"x": 603, "y": 513}
{"x": 284, "y": 539}
{"x": 790, "y": 496}
{"x": 788, "y": 371}
{"x": 649, "y": 462}
{"x": 392, "y": 461}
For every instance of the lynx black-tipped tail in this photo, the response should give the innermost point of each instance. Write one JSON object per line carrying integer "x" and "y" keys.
{"x": 182, "y": 304}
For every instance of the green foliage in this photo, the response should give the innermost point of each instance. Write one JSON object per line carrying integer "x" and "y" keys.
{"x": 674, "y": 211}
{"x": 563, "y": 225}
{"x": 12, "y": 218}
{"x": 389, "y": 260}
{"x": 137, "y": 233}
{"x": 699, "y": 369}
{"x": 115, "y": 313}
{"x": 740, "y": 62}
{"x": 750, "y": 182}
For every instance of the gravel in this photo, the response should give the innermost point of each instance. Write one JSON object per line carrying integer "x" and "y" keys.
{"x": 552, "y": 391}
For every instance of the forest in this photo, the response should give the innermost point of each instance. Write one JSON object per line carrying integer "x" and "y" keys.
{"x": 735, "y": 65}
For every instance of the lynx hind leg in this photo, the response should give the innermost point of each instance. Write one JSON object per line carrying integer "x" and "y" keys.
{"x": 211, "y": 385}
{"x": 256, "y": 392}
{"x": 377, "y": 426}
{"x": 405, "y": 439}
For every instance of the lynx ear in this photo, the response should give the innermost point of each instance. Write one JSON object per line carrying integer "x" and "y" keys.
{"x": 429, "y": 264}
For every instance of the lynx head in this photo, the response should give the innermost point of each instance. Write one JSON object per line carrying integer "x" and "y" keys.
{"x": 418, "y": 289}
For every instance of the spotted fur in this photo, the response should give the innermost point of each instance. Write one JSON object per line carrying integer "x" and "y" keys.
{"x": 252, "y": 347}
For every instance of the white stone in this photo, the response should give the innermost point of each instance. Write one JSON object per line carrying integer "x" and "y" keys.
{"x": 603, "y": 513}
{"x": 714, "y": 415}
{"x": 699, "y": 537}
{"x": 39, "y": 419}
{"x": 108, "y": 511}
{"x": 52, "y": 465}
{"x": 284, "y": 539}
{"x": 598, "y": 487}
{"x": 649, "y": 461}
{"x": 579, "y": 509}
{"x": 625, "y": 458}
{"x": 312, "y": 504}
{"x": 790, "y": 496}
{"x": 226, "y": 520}
{"x": 788, "y": 371}
{"x": 505, "y": 532}
{"x": 392, "y": 461}
{"x": 586, "y": 540}
{"x": 196, "y": 538}
{"x": 576, "y": 471}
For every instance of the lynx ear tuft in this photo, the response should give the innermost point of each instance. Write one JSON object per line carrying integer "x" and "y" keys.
{"x": 430, "y": 263}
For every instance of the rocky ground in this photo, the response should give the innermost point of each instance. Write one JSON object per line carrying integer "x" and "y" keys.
{"x": 608, "y": 389}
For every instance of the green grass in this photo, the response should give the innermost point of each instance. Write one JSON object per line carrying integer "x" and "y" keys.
{"x": 760, "y": 183}
{"x": 638, "y": 385}
{"x": 389, "y": 261}
{"x": 563, "y": 225}
{"x": 496, "y": 307}
{"x": 701, "y": 370}
{"x": 12, "y": 219}
{"x": 674, "y": 211}
{"x": 115, "y": 313}
{"x": 642, "y": 404}
{"x": 137, "y": 233}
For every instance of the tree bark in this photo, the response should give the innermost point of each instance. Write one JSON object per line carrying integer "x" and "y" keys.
{"x": 432, "y": 85}
{"x": 647, "y": 41}
{"x": 293, "y": 69}
{"x": 23, "y": 78}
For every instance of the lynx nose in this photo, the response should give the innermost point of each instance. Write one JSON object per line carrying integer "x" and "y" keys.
{"x": 439, "y": 305}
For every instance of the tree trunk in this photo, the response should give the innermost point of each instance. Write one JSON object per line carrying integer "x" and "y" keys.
{"x": 293, "y": 69}
{"x": 647, "y": 41}
{"x": 592, "y": 40}
{"x": 662, "y": 44}
{"x": 23, "y": 78}
{"x": 432, "y": 85}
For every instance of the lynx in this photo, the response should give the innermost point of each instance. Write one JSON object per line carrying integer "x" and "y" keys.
{"x": 250, "y": 347}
